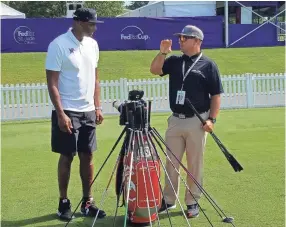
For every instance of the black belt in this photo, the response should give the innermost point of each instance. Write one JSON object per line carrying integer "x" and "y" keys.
{"x": 184, "y": 116}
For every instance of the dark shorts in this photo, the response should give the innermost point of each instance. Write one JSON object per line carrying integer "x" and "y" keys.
{"x": 83, "y": 137}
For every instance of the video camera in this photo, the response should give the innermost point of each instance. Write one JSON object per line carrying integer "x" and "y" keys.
{"x": 133, "y": 112}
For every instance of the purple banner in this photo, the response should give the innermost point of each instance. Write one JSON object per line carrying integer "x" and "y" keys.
{"x": 147, "y": 33}
{"x": 30, "y": 35}
{"x": 266, "y": 35}
{"x": 34, "y": 35}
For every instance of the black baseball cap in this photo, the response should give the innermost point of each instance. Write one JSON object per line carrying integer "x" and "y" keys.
{"x": 86, "y": 15}
{"x": 191, "y": 31}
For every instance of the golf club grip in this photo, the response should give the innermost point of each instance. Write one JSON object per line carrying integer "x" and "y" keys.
{"x": 195, "y": 111}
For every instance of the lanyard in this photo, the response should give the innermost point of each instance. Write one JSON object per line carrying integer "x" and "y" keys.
{"x": 189, "y": 70}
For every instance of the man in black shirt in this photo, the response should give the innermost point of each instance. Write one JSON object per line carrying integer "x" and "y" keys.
{"x": 191, "y": 75}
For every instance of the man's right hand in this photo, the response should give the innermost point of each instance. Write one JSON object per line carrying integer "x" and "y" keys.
{"x": 166, "y": 46}
{"x": 64, "y": 123}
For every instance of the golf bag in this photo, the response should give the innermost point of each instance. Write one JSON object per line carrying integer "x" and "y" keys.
{"x": 144, "y": 189}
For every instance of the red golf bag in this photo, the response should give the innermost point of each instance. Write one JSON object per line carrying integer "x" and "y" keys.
{"x": 144, "y": 188}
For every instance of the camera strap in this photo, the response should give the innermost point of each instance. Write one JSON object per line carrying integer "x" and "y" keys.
{"x": 189, "y": 70}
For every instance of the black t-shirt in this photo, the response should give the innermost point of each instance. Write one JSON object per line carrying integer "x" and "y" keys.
{"x": 202, "y": 82}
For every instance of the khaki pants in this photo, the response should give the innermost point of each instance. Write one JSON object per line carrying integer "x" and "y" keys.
{"x": 185, "y": 134}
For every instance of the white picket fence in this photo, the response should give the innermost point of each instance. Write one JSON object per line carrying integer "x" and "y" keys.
{"x": 31, "y": 101}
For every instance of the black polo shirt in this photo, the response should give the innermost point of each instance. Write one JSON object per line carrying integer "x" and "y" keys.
{"x": 202, "y": 82}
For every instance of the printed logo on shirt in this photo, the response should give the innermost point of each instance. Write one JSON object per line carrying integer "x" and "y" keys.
{"x": 71, "y": 50}
{"x": 198, "y": 72}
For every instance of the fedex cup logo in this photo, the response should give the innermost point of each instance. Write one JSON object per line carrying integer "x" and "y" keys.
{"x": 24, "y": 35}
{"x": 133, "y": 32}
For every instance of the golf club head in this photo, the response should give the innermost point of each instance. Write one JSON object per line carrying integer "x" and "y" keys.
{"x": 228, "y": 219}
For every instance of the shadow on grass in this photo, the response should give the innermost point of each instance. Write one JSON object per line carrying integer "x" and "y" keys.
{"x": 31, "y": 221}
{"x": 78, "y": 221}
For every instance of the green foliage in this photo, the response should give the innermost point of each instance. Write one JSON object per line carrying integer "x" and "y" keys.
{"x": 136, "y": 4}
{"x": 44, "y": 9}
{"x": 106, "y": 8}
{"x": 51, "y": 9}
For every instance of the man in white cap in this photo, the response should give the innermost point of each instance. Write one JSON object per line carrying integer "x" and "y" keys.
{"x": 194, "y": 76}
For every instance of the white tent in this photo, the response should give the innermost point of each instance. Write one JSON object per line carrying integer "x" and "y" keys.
{"x": 174, "y": 9}
{"x": 6, "y": 12}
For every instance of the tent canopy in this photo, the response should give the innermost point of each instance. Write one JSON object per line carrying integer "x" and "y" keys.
{"x": 174, "y": 9}
{"x": 9, "y": 13}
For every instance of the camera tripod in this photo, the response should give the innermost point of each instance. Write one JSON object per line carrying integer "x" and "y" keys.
{"x": 138, "y": 136}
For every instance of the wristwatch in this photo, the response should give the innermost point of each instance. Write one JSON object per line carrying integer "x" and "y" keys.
{"x": 213, "y": 120}
{"x": 98, "y": 108}
{"x": 161, "y": 53}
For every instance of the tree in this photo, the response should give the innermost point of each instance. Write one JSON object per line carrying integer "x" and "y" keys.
{"x": 136, "y": 4}
{"x": 106, "y": 8}
{"x": 53, "y": 9}
{"x": 39, "y": 8}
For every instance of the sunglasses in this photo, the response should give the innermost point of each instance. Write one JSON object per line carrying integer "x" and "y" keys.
{"x": 183, "y": 38}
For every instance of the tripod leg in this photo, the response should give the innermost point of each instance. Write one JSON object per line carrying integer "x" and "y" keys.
{"x": 130, "y": 175}
{"x": 126, "y": 147}
{"x": 117, "y": 203}
{"x": 212, "y": 202}
{"x": 112, "y": 150}
{"x": 192, "y": 177}
{"x": 151, "y": 148}
{"x": 141, "y": 139}
{"x": 177, "y": 198}
{"x": 107, "y": 187}
{"x": 141, "y": 144}
{"x": 157, "y": 153}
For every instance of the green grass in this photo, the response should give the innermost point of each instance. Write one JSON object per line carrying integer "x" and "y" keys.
{"x": 30, "y": 67}
{"x": 254, "y": 197}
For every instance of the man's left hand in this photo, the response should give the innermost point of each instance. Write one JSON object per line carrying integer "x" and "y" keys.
{"x": 99, "y": 117}
{"x": 208, "y": 126}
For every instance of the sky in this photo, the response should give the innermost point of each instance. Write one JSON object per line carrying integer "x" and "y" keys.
{"x": 127, "y": 2}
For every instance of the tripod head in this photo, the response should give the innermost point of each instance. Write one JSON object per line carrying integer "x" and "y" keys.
{"x": 133, "y": 112}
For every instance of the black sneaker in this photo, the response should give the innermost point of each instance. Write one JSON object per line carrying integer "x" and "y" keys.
{"x": 64, "y": 210}
{"x": 193, "y": 211}
{"x": 165, "y": 207}
{"x": 88, "y": 208}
